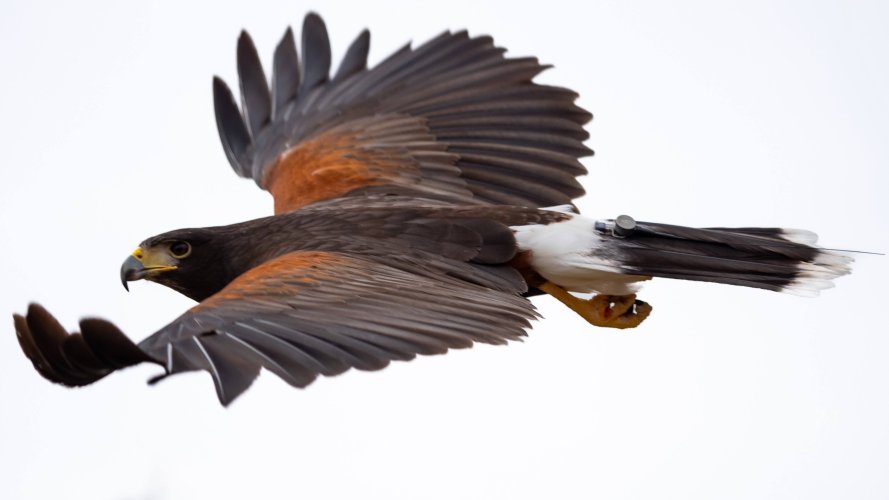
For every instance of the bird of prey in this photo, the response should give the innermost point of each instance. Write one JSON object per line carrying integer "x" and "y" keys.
{"x": 418, "y": 204}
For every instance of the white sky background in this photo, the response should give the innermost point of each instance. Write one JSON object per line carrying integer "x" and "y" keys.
{"x": 745, "y": 113}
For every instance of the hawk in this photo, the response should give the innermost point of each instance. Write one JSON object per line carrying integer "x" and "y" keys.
{"x": 417, "y": 205}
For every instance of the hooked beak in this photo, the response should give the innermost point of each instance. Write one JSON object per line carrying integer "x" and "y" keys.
{"x": 137, "y": 267}
{"x": 131, "y": 270}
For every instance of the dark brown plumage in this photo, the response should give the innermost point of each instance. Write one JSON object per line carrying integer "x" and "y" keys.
{"x": 407, "y": 208}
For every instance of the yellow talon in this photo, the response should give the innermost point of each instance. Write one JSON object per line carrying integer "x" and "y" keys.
{"x": 610, "y": 311}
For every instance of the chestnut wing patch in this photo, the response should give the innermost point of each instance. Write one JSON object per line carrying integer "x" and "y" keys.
{"x": 384, "y": 153}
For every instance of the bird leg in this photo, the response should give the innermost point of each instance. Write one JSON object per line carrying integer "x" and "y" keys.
{"x": 611, "y": 311}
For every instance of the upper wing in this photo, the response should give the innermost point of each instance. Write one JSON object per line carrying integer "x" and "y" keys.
{"x": 300, "y": 315}
{"x": 452, "y": 120}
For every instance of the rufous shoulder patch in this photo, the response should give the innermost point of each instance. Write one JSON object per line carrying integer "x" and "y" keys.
{"x": 278, "y": 277}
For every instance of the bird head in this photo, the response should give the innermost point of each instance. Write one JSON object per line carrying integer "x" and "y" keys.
{"x": 190, "y": 261}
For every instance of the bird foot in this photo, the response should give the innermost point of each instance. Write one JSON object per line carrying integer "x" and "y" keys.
{"x": 610, "y": 311}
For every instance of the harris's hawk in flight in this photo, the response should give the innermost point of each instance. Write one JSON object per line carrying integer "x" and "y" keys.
{"x": 417, "y": 205}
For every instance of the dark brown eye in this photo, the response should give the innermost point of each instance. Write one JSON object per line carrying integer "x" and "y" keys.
{"x": 180, "y": 249}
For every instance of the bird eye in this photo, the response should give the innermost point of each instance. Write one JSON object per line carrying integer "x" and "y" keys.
{"x": 180, "y": 249}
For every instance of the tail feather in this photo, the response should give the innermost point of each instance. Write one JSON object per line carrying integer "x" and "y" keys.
{"x": 769, "y": 258}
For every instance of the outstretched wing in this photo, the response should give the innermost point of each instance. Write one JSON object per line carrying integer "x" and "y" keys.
{"x": 452, "y": 120}
{"x": 298, "y": 316}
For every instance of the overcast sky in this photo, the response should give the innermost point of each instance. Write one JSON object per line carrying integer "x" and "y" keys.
{"x": 745, "y": 113}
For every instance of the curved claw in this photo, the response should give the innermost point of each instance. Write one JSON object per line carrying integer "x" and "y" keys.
{"x": 610, "y": 311}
